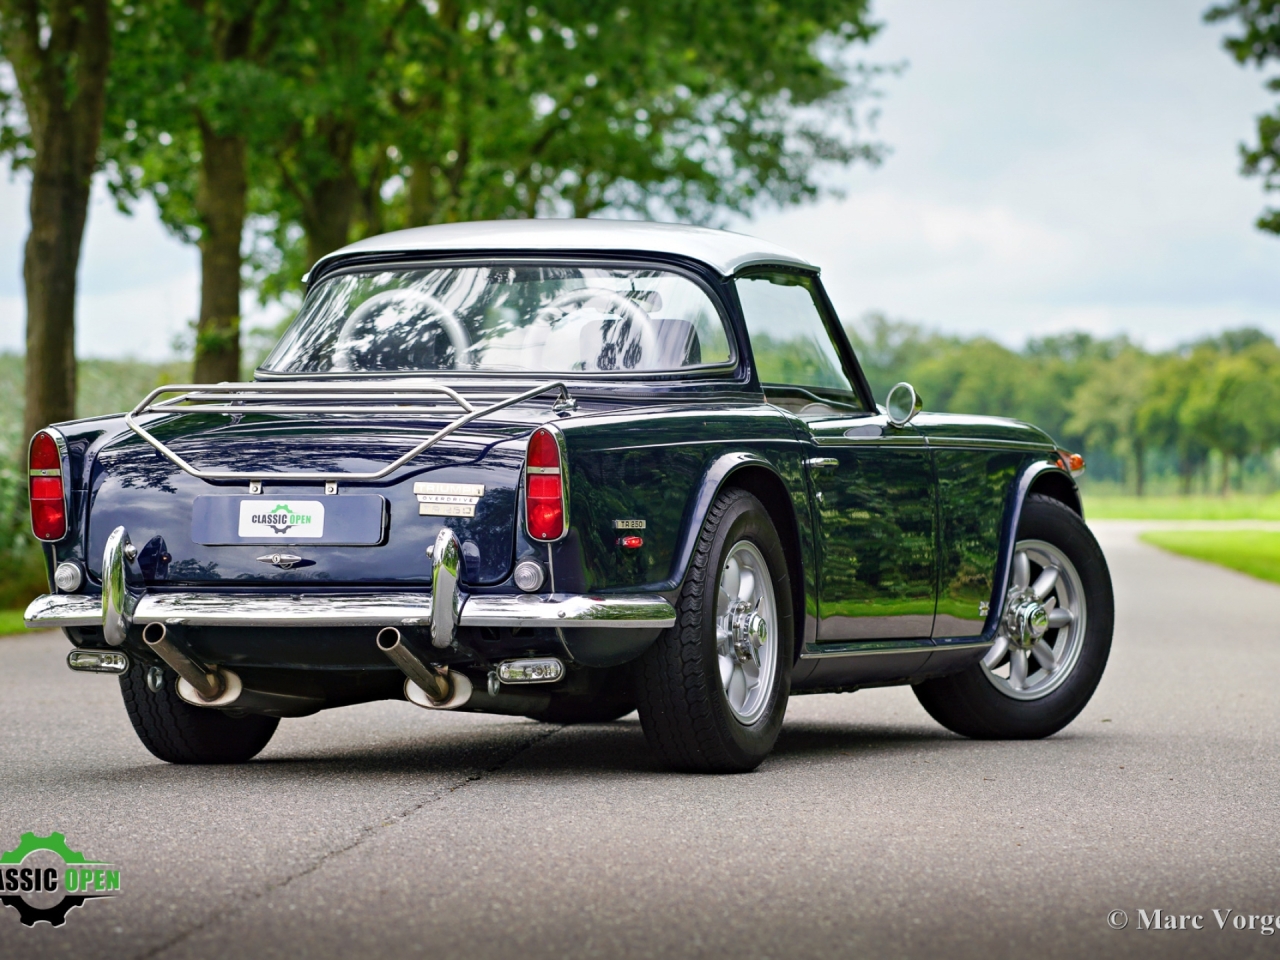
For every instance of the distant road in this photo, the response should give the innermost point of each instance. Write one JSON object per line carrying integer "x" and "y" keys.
{"x": 386, "y": 831}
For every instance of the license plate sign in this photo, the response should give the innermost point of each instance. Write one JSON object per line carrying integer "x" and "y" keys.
{"x": 347, "y": 519}
{"x": 281, "y": 519}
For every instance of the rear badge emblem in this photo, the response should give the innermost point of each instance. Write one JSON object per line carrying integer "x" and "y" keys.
{"x": 284, "y": 561}
{"x": 448, "y": 499}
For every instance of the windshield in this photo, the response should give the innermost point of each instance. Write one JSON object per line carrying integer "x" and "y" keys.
{"x": 517, "y": 318}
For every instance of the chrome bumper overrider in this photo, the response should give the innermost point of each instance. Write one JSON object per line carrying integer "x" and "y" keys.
{"x": 358, "y": 610}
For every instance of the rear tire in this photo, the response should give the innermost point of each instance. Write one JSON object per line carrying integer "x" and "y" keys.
{"x": 687, "y": 705}
{"x": 980, "y": 703}
{"x": 177, "y": 732}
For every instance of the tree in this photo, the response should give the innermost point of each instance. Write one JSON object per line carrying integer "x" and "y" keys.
{"x": 60, "y": 51}
{"x": 1259, "y": 44}
{"x": 1105, "y": 409}
{"x": 458, "y": 110}
{"x": 1159, "y": 420}
{"x": 189, "y": 101}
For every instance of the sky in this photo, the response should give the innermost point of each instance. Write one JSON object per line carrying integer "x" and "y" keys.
{"x": 1053, "y": 166}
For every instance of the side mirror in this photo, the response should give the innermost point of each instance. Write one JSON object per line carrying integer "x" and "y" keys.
{"x": 902, "y": 404}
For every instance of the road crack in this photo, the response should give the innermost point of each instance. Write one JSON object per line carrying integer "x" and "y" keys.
{"x": 365, "y": 834}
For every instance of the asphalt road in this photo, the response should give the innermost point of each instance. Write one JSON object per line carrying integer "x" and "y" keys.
{"x": 384, "y": 830}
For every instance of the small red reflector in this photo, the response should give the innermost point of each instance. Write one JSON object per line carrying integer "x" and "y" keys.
{"x": 632, "y": 543}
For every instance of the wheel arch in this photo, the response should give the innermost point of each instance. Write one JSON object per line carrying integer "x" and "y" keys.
{"x": 761, "y": 478}
{"x": 1040, "y": 477}
{"x": 1057, "y": 483}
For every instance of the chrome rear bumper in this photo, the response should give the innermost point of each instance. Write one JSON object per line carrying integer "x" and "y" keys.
{"x": 641, "y": 611}
{"x": 125, "y": 602}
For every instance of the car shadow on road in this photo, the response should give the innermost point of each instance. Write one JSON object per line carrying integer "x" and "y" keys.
{"x": 525, "y": 749}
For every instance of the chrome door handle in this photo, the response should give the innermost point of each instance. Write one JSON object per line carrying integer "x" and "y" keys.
{"x": 816, "y": 462}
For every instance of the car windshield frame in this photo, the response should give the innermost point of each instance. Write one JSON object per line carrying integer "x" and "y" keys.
{"x": 721, "y": 369}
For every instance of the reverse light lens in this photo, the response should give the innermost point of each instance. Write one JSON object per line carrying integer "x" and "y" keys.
{"x": 544, "y": 487}
{"x": 48, "y": 496}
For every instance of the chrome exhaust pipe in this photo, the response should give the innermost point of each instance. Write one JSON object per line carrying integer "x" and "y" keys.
{"x": 209, "y": 683}
{"x": 433, "y": 687}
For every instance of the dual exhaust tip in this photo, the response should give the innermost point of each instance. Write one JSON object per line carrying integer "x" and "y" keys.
{"x": 434, "y": 687}
{"x": 439, "y": 688}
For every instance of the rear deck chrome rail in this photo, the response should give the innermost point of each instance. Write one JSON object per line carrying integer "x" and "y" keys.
{"x": 390, "y": 398}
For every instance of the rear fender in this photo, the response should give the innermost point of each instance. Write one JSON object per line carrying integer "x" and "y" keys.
{"x": 764, "y": 480}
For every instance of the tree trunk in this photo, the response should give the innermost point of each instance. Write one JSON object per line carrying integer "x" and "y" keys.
{"x": 329, "y": 204}
{"x": 220, "y": 203}
{"x": 1226, "y": 475}
{"x": 1140, "y": 468}
{"x": 330, "y": 225}
{"x": 59, "y": 203}
{"x": 59, "y": 53}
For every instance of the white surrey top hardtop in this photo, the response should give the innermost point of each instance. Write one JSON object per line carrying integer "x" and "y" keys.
{"x": 722, "y": 250}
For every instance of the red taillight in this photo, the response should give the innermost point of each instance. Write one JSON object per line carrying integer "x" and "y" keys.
{"x": 48, "y": 496}
{"x": 544, "y": 506}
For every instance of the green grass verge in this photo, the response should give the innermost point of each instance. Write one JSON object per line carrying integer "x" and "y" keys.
{"x": 11, "y": 622}
{"x": 1234, "y": 507}
{"x": 1255, "y": 552}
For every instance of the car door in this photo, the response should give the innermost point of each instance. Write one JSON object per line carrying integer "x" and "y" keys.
{"x": 873, "y": 487}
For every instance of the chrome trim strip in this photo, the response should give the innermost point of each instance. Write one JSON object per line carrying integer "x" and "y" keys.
{"x": 879, "y": 647}
{"x": 642, "y": 611}
{"x": 396, "y": 399}
{"x": 864, "y": 648}
{"x": 883, "y": 441}
{"x": 980, "y": 443}
{"x": 565, "y": 610}
{"x": 63, "y": 610}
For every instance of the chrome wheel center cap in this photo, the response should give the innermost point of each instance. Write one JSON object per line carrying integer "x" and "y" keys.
{"x": 749, "y": 631}
{"x": 1029, "y": 621}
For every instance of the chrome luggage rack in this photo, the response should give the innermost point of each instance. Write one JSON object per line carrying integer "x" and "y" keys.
{"x": 396, "y": 398}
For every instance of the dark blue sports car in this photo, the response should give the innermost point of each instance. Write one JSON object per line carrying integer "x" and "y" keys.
{"x": 565, "y": 470}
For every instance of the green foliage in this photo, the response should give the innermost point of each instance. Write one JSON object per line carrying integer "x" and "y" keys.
{"x": 1258, "y": 44}
{"x": 1127, "y": 410}
{"x": 104, "y": 386}
{"x": 367, "y": 115}
{"x": 11, "y": 623}
{"x": 1241, "y": 507}
{"x": 1255, "y": 552}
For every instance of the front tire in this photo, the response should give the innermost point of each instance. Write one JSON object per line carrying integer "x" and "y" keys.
{"x": 177, "y": 732}
{"x": 712, "y": 690}
{"x": 1041, "y": 671}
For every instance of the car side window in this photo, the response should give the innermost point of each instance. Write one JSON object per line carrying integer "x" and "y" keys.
{"x": 792, "y": 346}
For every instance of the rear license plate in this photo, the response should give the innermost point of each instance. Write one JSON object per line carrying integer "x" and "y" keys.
{"x": 352, "y": 519}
